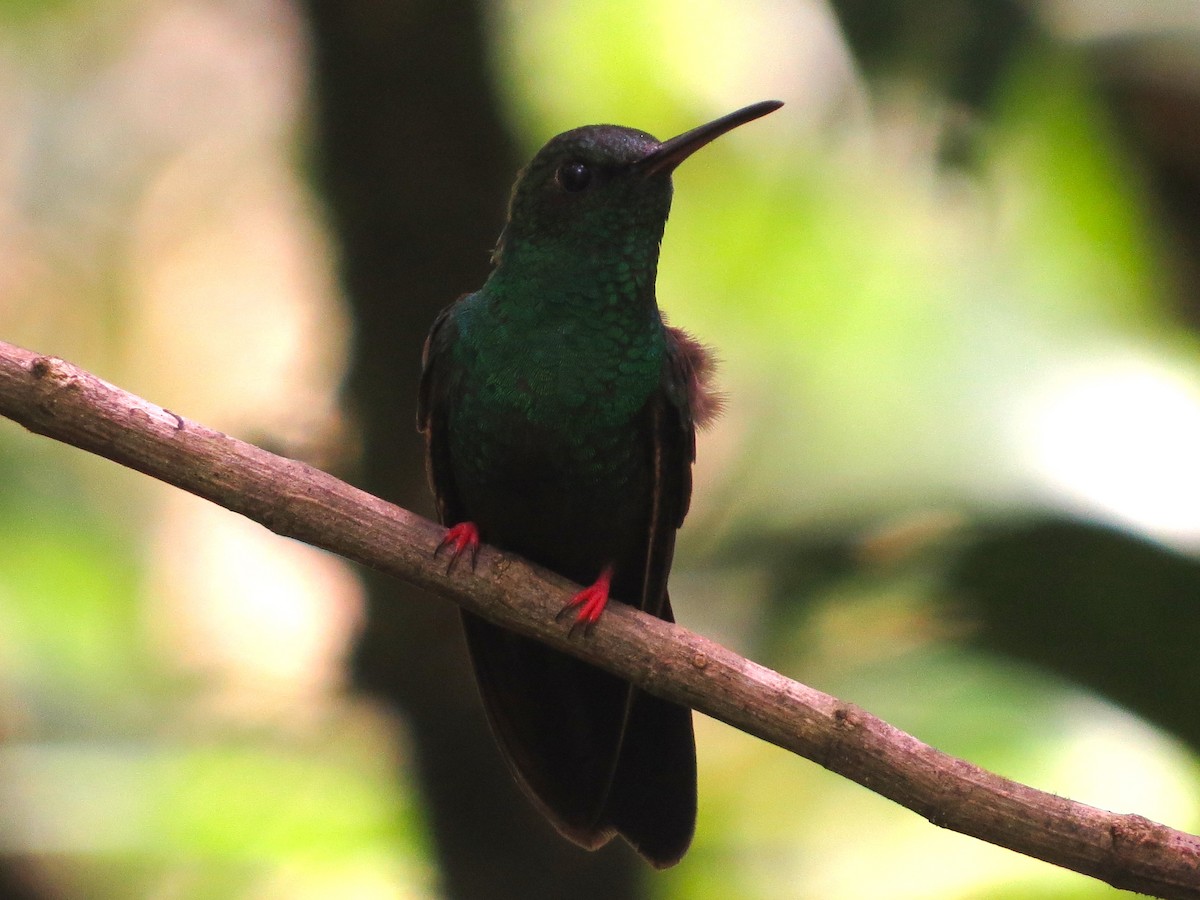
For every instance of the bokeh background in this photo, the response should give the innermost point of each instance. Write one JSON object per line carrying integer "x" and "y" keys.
{"x": 954, "y": 286}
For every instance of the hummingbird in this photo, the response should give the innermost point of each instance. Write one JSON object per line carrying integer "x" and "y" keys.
{"x": 560, "y": 412}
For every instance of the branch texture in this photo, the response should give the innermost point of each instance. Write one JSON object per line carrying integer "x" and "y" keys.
{"x": 56, "y": 399}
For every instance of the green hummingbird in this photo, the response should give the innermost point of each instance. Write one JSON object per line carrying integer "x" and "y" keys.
{"x": 559, "y": 413}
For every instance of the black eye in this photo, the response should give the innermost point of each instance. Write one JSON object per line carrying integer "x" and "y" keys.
{"x": 573, "y": 176}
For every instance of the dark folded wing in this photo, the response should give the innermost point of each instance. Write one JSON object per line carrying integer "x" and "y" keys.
{"x": 437, "y": 381}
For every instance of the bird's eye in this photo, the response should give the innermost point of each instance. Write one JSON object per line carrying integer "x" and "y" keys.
{"x": 573, "y": 176}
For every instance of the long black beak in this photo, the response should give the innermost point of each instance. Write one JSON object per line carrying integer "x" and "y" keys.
{"x": 671, "y": 153}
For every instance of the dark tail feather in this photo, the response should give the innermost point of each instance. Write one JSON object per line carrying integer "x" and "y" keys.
{"x": 652, "y": 803}
{"x": 558, "y": 722}
{"x": 653, "y": 799}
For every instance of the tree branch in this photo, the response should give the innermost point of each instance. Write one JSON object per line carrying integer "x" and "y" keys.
{"x": 51, "y": 397}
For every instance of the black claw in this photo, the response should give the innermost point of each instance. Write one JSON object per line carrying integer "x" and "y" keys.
{"x": 587, "y": 625}
{"x": 456, "y": 554}
{"x": 453, "y": 556}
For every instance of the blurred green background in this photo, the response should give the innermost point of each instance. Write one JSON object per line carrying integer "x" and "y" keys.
{"x": 954, "y": 288}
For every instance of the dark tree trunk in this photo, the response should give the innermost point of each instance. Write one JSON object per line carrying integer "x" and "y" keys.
{"x": 415, "y": 165}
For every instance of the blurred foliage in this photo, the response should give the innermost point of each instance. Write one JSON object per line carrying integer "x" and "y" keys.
{"x": 25, "y": 12}
{"x": 1099, "y": 606}
{"x": 961, "y": 49}
{"x": 876, "y": 514}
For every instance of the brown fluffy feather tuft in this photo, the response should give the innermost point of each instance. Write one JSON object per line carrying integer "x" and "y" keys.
{"x": 700, "y": 363}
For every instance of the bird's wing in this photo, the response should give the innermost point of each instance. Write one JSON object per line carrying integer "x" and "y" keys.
{"x": 684, "y": 402}
{"x": 432, "y": 410}
{"x": 652, "y": 794}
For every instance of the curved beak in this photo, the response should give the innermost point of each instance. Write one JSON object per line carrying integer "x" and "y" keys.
{"x": 672, "y": 152}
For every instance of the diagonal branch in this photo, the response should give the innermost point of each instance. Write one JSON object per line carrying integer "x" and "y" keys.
{"x": 51, "y": 397}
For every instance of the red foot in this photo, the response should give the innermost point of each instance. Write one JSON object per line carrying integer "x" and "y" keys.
{"x": 591, "y": 600}
{"x": 462, "y": 537}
